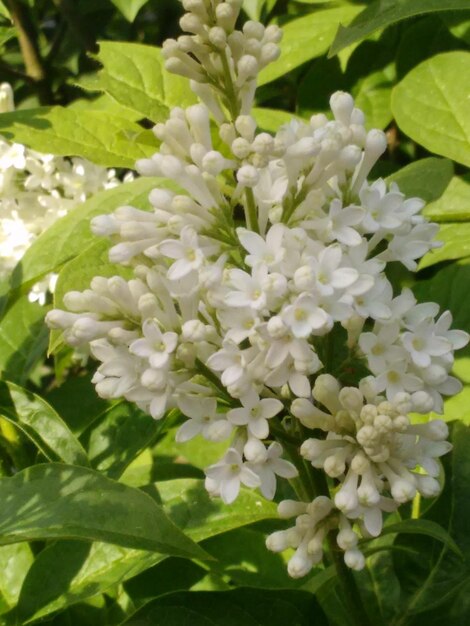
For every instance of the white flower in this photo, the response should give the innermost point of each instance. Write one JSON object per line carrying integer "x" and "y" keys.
{"x": 255, "y": 413}
{"x": 270, "y": 467}
{"x": 186, "y": 251}
{"x": 304, "y": 317}
{"x": 226, "y": 476}
{"x": 268, "y": 252}
{"x": 338, "y": 224}
{"x": 203, "y": 419}
{"x": 154, "y": 345}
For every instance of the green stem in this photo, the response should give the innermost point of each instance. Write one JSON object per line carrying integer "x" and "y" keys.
{"x": 213, "y": 379}
{"x": 232, "y": 100}
{"x": 348, "y": 584}
{"x": 250, "y": 210}
{"x": 350, "y": 590}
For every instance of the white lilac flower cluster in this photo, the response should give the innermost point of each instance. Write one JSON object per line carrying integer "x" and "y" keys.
{"x": 36, "y": 190}
{"x": 260, "y": 289}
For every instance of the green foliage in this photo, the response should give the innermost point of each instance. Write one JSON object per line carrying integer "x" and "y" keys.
{"x": 83, "y": 570}
{"x": 40, "y": 423}
{"x": 306, "y": 38}
{"x": 231, "y": 608}
{"x": 129, "y": 8}
{"x": 427, "y": 178}
{"x": 382, "y": 13}
{"x": 431, "y": 105}
{"x": 66, "y": 501}
{"x": 133, "y": 76}
{"x": 23, "y": 339}
{"x": 95, "y": 135}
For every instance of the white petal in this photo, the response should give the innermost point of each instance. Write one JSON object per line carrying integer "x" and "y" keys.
{"x": 270, "y": 407}
{"x": 373, "y": 521}
{"x": 188, "y": 430}
{"x": 229, "y": 489}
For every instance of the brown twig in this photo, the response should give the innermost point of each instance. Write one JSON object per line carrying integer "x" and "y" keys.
{"x": 27, "y": 38}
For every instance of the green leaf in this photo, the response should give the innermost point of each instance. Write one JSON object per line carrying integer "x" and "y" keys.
{"x": 454, "y": 204}
{"x": 250, "y": 607}
{"x": 105, "y": 103}
{"x": 242, "y": 557}
{"x": 95, "y": 135}
{"x": 77, "y": 402}
{"x": 439, "y": 577}
{"x": 54, "y": 501}
{"x": 134, "y": 76}
{"x": 383, "y": 13}
{"x": 456, "y": 240}
{"x": 70, "y": 235}
{"x": 6, "y": 33}
{"x": 272, "y": 119}
{"x": 119, "y": 437}
{"x": 306, "y": 38}
{"x": 423, "y": 527}
{"x": 3, "y": 10}
{"x": 373, "y": 95}
{"x": 84, "y": 574}
{"x": 431, "y": 105}
{"x": 426, "y": 178}
{"x": 15, "y": 561}
{"x": 446, "y": 287}
{"x": 190, "y": 507}
{"x": 129, "y": 8}
{"x": 23, "y": 339}
{"x": 40, "y": 423}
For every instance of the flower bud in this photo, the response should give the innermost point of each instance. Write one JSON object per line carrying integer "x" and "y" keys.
{"x": 354, "y": 559}
{"x": 7, "y": 102}
{"x": 277, "y": 541}
{"x": 248, "y": 176}
{"x": 246, "y": 126}
{"x": 290, "y": 508}
{"x": 342, "y": 105}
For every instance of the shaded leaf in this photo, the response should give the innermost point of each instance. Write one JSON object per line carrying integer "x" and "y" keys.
{"x": 454, "y": 204}
{"x": 423, "y": 527}
{"x": 305, "y": 38}
{"x": 41, "y": 424}
{"x": 250, "y": 607}
{"x": 187, "y": 504}
{"x": 383, "y": 13}
{"x": 119, "y": 437}
{"x": 54, "y": 501}
{"x": 23, "y": 339}
{"x": 426, "y": 178}
{"x": 129, "y": 8}
{"x": 6, "y": 33}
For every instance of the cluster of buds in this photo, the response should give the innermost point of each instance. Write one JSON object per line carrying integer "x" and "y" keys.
{"x": 217, "y": 58}
{"x": 232, "y": 320}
